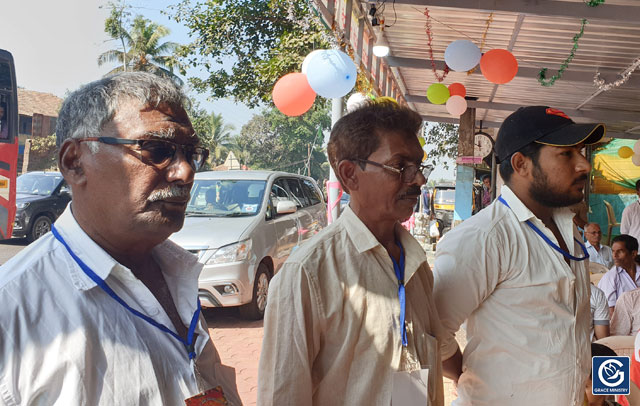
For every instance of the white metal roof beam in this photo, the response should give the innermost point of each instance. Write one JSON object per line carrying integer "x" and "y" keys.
{"x": 609, "y": 12}
{"x": 601, "y": 115}
{"x": 523, "y": 72}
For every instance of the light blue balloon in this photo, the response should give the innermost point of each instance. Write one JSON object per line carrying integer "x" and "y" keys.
{"x": 331, "y": 73}
{"x": 462, "y": 55}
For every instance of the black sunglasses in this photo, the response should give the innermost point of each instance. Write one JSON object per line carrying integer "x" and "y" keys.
{"x": 159, "y": 153}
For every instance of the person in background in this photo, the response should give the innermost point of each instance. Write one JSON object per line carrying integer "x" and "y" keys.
{"x": 626, "y": 315}
{"x": 352, "y": 310}
{"x": 104, "y": 310}
{"x": 598, "y": 253}
{"x": 4, "y": 125}
{"x": 516, "y": 272}
{"x": 598, "y": 350}
{"x": 625, "y": 275}
{"x": 599, "y": 314}
{"x": 630, "y": 223}
{"x": 486, "y": 191}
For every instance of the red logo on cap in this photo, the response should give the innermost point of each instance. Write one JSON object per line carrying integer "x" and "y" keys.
{"x": 557, "y": 112}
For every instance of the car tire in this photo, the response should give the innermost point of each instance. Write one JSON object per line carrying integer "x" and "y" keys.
{"x": 255, "y": 309}
{"x": 39, "y": 227}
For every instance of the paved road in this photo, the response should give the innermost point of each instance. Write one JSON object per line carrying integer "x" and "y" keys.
{"x": 9, "y": 248}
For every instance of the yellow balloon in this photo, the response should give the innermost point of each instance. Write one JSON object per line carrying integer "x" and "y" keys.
{"x": 422, "y": 141}
{"x": 386, "y": 99}
{"x": 424, "y": 158}
{"x": 625, "y": 152}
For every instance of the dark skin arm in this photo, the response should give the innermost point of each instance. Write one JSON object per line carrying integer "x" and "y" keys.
{"x": 452, "y": 367}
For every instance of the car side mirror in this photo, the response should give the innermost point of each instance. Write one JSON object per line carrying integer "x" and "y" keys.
{"x": 286, "y": 206}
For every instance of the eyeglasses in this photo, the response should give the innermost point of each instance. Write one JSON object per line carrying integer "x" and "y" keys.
{"x": 159, "y": 153}
{"x": 407, "y": 173}
{"x": 593, "y": 232}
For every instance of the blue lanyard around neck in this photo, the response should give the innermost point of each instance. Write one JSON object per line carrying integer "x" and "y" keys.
{"x": 399, "y": 270}
{"x": 551, "y": 243}
{"x": 188, "y": 343}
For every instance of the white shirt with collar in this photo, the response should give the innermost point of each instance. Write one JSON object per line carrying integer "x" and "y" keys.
{"x": 617, "y": 281}
{"x": 630, "y": 223}
{"x": 602, "y": 256}
{"x": 64, "y": 341}
{"x": 528, "y": 312}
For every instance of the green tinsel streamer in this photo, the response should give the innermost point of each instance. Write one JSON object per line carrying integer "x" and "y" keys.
{"x": 593, "y": 3}
{"x": 542, "y": 75}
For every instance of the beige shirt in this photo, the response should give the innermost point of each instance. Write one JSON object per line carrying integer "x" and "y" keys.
{"x": 331, "y": 329}
{"x": 626, "y": 316}
{"x": 527, "y": 311}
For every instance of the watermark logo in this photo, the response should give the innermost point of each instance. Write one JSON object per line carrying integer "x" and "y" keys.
{"x": 610, "y": 375}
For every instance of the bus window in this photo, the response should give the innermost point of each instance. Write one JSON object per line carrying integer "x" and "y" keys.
{"x": 8, "y": 143}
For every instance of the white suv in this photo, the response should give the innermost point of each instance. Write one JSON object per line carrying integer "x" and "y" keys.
{"x": 242, "y": 235}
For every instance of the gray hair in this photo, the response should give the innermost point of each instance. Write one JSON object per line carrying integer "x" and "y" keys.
{"x": 85, "y": 111}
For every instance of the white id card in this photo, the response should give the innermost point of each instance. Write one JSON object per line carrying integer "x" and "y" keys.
{"x": 410, "y": 388}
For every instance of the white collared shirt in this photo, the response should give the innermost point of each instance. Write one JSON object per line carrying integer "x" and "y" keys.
{"x": 527, "y": 311}
{"x": 630, "y": 223}
{"x": 64, "y": 341}
{"x": 331, "y": 329}
{"x": 602, "y": 256}
{"x": 617, "y": 281}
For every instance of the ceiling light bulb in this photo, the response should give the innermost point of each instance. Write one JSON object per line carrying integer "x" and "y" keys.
{"x": 380, "y": 47}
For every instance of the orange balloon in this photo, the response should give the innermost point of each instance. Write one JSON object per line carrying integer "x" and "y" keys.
{"x": 292, "y": 94}
{"x": 499, "y": 66}
{"x": 457, "y": 89}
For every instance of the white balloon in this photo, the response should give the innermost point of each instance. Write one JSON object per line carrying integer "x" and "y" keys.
{"x": 355, "y": 101}
{"x": 332, "y": 73}
{"x": 462, "y": 55}
{"x": 636, "y": 159}
{"x": 307, "y": 59}
{"x": 456, "y": 105}
{"x": 636, "y": 148}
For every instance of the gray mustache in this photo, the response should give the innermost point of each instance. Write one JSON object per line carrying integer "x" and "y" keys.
{"x": 172, "y": 191}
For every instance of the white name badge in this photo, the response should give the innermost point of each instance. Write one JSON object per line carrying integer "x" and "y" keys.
{"x": 410, "y": 388}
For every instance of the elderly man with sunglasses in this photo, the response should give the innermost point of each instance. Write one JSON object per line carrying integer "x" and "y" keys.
{"x": 104, "y": 309}
{"x": 350, "y": 318}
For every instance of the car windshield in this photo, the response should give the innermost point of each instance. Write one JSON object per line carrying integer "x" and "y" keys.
{"x": 226, "y": 198}
{"x": 445, "y": 196}
{"x": 37, "y": 184}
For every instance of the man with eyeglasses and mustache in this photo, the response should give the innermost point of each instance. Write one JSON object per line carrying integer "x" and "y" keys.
{"x": 350, "y": 314}
{"x": 517, "y": 273}
{"x": 104, "y": 309}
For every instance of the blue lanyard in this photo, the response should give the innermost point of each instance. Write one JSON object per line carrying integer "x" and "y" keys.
{"x": 399, "y": 270}
{"x": 188, "y": 343}
{"x": 551, "y": 243}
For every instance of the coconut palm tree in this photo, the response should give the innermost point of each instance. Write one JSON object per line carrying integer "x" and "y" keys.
{"x": 142, "y": 50}
{"x": 217, "y": 137}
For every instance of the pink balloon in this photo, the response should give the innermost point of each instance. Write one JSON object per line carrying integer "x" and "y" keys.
{"x": 292, "y": 94}
{"x": 456, "y": 105}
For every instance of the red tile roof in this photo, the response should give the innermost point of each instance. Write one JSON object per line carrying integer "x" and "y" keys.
{"x": 30, "y": 102}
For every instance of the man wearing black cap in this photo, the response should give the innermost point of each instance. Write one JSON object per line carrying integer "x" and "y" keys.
{"x": 516, "y": 272}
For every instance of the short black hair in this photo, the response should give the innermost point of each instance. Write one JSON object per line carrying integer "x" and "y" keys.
{"x": 638, "y": 185}
{"x": 485, "y": 176}
{"x": 531, "y": 150}
{"x": 630, "y": 243}
{"x": 601, "y": 350}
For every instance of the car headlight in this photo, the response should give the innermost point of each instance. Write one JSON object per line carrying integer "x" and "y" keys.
{"x": 22, "y": 205}
{"x": 238, "y": 251}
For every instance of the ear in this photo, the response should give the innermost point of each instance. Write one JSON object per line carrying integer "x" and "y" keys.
{"x": 70, "y": 163}
{"x": 347, "y": 174}
{"x": 521, "y": 164}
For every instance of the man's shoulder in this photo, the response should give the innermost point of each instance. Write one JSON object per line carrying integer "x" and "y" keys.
{"x": 631, "y": 296}
{"x": 321, "y": 246}
{"x": 31, "y": 261}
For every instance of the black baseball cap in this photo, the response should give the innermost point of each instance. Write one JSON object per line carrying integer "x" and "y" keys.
{"x": 544, "y": 125}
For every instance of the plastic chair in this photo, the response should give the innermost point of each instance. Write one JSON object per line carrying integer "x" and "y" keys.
{"x": 611, "y": 219}
{"x": 595, "y": 267}
{"x": 595, "y": 278}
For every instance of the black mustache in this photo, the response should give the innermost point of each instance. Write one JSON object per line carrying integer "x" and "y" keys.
{"x": 412, "y": 191}
{"x": 582, "y": 178}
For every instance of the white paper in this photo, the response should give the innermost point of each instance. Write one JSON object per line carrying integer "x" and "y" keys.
{"x": 410, "y": 388}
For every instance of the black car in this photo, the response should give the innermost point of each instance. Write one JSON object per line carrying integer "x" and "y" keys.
{"x": 40, "y": 198}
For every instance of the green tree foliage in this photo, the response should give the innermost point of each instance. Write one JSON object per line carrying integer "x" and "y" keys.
{"x": 141, "y": 49}
{"x": 263, "y": 39}
{"x": 214, "y": 133}
{"x": 442, "y": 138}
{"x": 273, "y": 141}
{"x": 43, "y": 153}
